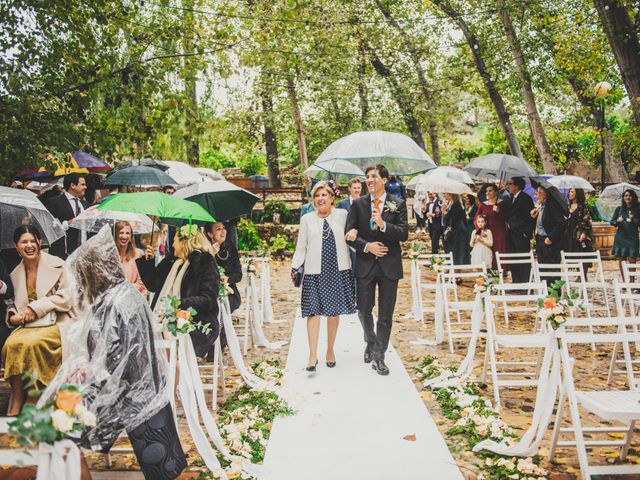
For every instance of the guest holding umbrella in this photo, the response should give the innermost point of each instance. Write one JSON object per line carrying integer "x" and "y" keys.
{"x": 550, "y": 225}
{"x": 626, "y": 218}
{"x": 579, "y": 225}
{"x": 456, "y": 236}
{"x": 496, "y": 213}
{"x": 520, "y": 227}
{"x": 470, "y": 204}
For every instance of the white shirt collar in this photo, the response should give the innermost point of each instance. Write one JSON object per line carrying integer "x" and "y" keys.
{"x": 516, "y": 195}
{"x": 382, "y": 198}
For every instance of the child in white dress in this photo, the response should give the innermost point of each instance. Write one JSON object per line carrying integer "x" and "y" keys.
{"x": 481, "y": 243}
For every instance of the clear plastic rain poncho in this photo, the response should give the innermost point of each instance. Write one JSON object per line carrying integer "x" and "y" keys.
{"x": 113, "y": 358}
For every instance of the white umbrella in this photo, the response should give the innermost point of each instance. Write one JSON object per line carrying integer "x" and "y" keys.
{"x": 209, "y": 173}
{"x": 567, "y": 182}
{"x": 341, "y": 171}
{"x": 92, "y": 220}
{"x": 611, "y": 198}
{"x": 411, "y": 184}
{"x": 182, "y": 173}
{"x": 400, "y": 154}
{"x": 443, "y": 185}
{"x": 443, "y": 173}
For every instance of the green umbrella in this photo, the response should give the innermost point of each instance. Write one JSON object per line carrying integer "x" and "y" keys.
{"x": 170, "y": 210}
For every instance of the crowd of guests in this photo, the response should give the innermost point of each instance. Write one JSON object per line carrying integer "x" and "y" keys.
{"x": 42, "y": 304}
{"x": 508, "y": 221}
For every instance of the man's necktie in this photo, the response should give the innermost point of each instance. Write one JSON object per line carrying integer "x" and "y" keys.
{"x": 77, "y": 212}
{"x": 376, "y": 207}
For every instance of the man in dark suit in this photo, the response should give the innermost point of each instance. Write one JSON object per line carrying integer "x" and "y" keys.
{"x": 355, "y": 189}
{"x": 520, "y": 227}
{"x": 6, "y": 294}
{"x": 381, "y": 222}
{"x": 65, "y": 208}
{"x": 434, "y": 221}
{"x": 550, "y": 226}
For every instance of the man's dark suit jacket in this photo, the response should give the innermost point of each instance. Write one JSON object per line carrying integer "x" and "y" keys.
{"x": 520, "y": 224}
{"x": 554, "y": 223}
{"x": 345, "y": 204}
{"x": 436, "y": 222}
{"x": 396, "y": 231}
{"x": 61, "y": 209}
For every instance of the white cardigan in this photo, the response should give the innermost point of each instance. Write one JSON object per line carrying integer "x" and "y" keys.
{"x": 309, "y": 245}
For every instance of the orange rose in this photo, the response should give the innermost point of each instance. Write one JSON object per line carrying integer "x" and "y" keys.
{"x": 67, "y": 400}
{"x": 438, "y": 260}
{"x": 183, "y": 314}
{"x": 480, "y": 281}
{"x": 549, "y": 302}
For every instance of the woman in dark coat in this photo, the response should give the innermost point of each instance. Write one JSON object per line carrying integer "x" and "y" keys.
{"x": 226, "y": 256}
{"x": 579, "y": 225}
{"x": 456, "y": 240}
{"x": 192, "y": 275}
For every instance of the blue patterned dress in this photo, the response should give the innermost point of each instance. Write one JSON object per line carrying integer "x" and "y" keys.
{"x": 332, "y": 291}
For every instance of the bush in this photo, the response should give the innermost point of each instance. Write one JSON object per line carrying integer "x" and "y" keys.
{"x": 248, "y": 238}
{"x": 279, "y": 207}
{"x": 252, "y": 163}
{"x": 216, "y": 159}
{"x": 278, "y": 244}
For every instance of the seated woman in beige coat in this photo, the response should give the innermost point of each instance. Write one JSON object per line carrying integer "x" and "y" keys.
{"x": 42, "y": 304}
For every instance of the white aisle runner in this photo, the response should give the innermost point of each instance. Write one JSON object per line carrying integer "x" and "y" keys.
{"x": 351, "y": 422}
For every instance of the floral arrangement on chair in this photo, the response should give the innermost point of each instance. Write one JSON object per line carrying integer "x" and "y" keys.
{"x": 179, "y": 320}
{"x": 57, "y": 420}
{"x": 415, "y": 250}
{"x": 225, "y": 290}
{"x": 434, "y": 262}
{"x": 485, "y": 282}
{"x": 556, "y": 307}
{"x": 252, "y": 268}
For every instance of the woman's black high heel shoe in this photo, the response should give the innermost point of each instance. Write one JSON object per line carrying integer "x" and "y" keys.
{"x": 312, "y": 368}
{"x": 331, "y": 364}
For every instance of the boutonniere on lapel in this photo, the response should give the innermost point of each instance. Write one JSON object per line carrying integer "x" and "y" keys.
{"x": 390, "y": 206}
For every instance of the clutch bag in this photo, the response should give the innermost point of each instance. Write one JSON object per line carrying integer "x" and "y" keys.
{"x": 297, "y": 279}
{"x": 45, "y": 321}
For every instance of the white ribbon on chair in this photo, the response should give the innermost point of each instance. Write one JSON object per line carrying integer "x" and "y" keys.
{"x": 438, "y": 315}
{"x": 60, "y": 461}
{"x": 195, "y": 409}
{"x": 465, "y": 368}
{"x": 548, "y": 384}
{"x": 250, "y": 379}
{"x": 416, "y": 294}
{"x": 259, "y": 338}
{"x": 265, "y": 292}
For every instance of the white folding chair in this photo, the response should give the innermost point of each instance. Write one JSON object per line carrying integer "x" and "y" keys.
{"x": 508, "y": 372}
{"x": 607, "y": 405}
{"x": 428, "y": 301}
{"x": 630, "y": 272}
{"x": 506, "y": 260}
{"x": 593, "y": 285}
{"x": 458, "y": 312}
{"x": 627, "y": 301}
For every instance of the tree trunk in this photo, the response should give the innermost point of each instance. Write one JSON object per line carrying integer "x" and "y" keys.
{"x": 625, "y": 44}
{"x": 481, "y": 66}
{"x": 404, "y": 104}
{"x": 362, "y": 90}
{"x": 422, "y": 81}
{"x": 297, "y": 118}
{"x": 533, "y": 117}
{"x": 614, "y": 166}
{"x": 191, "y": 136}
{"x": 270, "y": 140}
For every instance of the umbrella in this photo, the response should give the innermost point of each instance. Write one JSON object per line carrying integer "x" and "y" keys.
{"x": 139, "y": 176}
{"x": 567, "y": 182}
{"x": 611, "y": 198}
{"x": 222, "y": 199}
{"x": 344, "y": 171}
{"x": 446, "y": 173}
{"x": 553, "y": 193}
{"x": 92, "y": 220}
{"x": 171, "y": 210}
{"x": 182, "y": 173}
{"x": 443, "y": 185}
{"x": 18, "y": 207}
{"x": 208, "y": 173}
{"x": 531, "y": 191}
{"x": 499, "y": 166}
{"x": 78, "y": 162}
{"x": 397, "y": 152}
{"x": 142, "y": 162}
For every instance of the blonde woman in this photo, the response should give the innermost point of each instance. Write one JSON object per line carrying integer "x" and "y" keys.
{"x": 191, "y": 274}
{"x": 328, "y": 287}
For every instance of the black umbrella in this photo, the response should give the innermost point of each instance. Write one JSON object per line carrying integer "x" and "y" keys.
{"x": 142, "y": 162}
{"x": 139, "y": 176}
{"x": 500, "y": 166}
{"x": 553, "y": 194}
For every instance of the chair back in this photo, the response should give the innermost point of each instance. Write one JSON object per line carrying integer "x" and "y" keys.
{"x": 586, "y": 258}
{"x": 509, "y": 259}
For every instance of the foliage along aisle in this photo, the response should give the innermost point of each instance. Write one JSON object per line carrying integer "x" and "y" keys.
{"x": 246, "y": 418}
{"x": 476, "y": 420}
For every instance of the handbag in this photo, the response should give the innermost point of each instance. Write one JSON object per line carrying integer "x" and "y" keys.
{"x": 46, "y": 321}
{"x": 297, "y": 278}
{"x": 448, "y": 232}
